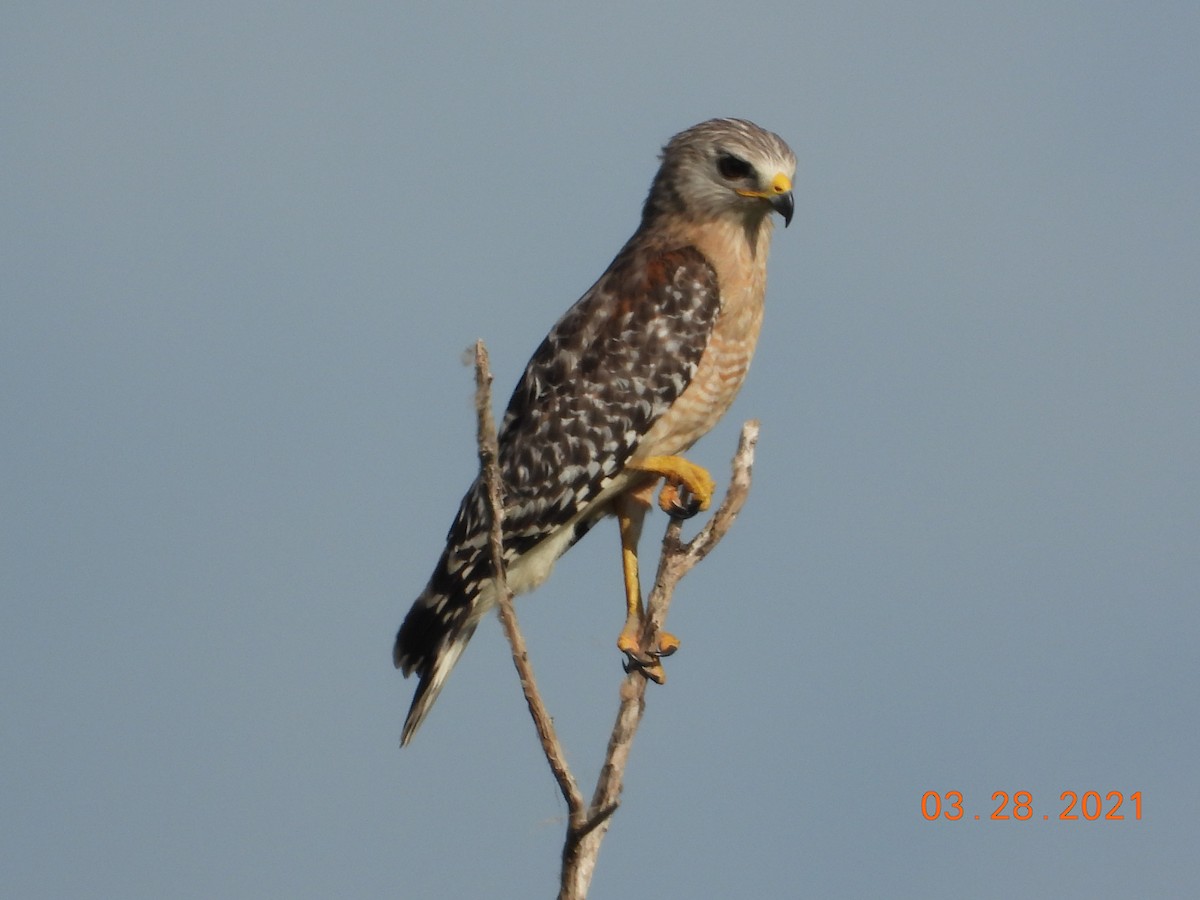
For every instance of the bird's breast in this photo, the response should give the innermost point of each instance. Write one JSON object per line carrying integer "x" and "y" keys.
{"x": 719, "y": 374}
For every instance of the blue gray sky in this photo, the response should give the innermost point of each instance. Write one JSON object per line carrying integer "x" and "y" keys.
{"x": 243, "y": 247}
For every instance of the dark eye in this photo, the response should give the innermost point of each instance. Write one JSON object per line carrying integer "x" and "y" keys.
{"x": 731, "y": 167}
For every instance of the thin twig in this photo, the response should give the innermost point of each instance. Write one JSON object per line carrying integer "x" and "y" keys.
{"x": 489, "y": 462}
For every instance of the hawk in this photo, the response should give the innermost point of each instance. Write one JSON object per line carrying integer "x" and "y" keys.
{"x": 629, "y": 378}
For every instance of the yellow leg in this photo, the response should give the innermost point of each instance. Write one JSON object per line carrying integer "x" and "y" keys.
{"x": 631, "y": 511}
{"x": 678, "y": 472}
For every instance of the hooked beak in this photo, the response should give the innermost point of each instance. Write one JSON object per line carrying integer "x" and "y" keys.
{"x": 779, "y": 195}
{"x": 785, "y": 206}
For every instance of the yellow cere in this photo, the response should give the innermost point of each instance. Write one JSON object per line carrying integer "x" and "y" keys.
{"x": 780, "y": 184}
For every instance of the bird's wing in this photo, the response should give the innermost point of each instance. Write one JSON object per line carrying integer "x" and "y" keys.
{"x": 610, "y": 367}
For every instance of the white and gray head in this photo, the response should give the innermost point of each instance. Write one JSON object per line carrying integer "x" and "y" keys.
{"x": 723, "y": 167}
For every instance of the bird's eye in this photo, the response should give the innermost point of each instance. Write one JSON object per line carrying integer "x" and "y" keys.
{"x": 731, "y": 167}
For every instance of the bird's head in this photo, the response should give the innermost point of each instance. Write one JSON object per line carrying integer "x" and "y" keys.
{"x": 725, "y": 167}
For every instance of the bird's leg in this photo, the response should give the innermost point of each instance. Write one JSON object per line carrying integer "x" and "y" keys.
{"x": 631, "y": 511}
{"x": 687, "y": 488}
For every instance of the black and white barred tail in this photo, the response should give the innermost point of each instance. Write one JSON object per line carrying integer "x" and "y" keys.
{"x": 432, "y": 660}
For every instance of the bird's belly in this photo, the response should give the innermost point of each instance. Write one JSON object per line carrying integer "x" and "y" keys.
{"x": 533, "y": 567}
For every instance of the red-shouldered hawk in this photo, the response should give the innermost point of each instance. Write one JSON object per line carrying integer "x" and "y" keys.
{"x": 631, "y": 376}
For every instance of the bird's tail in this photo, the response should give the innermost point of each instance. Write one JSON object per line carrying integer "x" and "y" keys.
{"x": 430, "y": 641}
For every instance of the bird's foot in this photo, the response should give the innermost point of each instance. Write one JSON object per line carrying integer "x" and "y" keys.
{"x": 647, "y": 660}
{"x": 688, "y": 488}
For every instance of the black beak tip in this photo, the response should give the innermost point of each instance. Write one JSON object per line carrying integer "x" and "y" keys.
{"x": 785, "y": 206}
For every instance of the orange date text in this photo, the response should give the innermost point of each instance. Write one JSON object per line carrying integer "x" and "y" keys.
{"x": 1072, "y": 806}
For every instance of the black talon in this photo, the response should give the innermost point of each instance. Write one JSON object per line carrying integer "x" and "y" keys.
{"x": 684, "y": 505}
{"x": 641, "y": 662}
{"x": 636, "y": 661}
{"x": 650, "y": 669}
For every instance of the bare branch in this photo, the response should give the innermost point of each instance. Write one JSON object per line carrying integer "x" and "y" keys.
{"x": 584, "y": 837}
{"x": 587, "y": 826}
{"x": 489, "y": 463}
